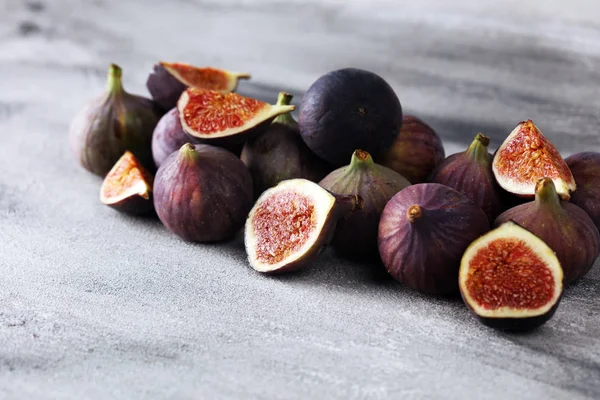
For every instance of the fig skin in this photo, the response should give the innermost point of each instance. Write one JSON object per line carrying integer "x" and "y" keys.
{"x": 112, "y": 123}
{"x": 356, "y": 235}
{"x": 518, "y": 322}
{"x": 416, "y": 152}
{"x": 566, "y": 228}
{"x": 470, "y": 173}
{"x": 279, "y": 153}
{"x": 164, "y": 88}
{"x": 203, "y": 193}
{"x": 168, "y": 137}
{"x": 349, "y": 109}
{"x": 339, "y": 207}
{"x": 585, "y": 167}
{"x": 423, "y": 233}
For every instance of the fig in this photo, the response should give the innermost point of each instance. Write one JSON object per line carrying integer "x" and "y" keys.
{"x": 349, "y": 109}
{"x": 416, "y": 152}
{"x": 203, "y": 193}
{"x": 291, "y": 223}
{"x": 168, "y": 80}
{"x": 224, "y": 118}
{"x": 112, "y": 123}
{"x": 526, "y": 156}
{"x": 566, "y": 228}
{"x": 423, "y": 233}
{"x": 586, "y": 171}
{"x": 470, "y": 173}
{"x": 510, "y": 279}
{"x": 128, "y": 186}
{"x": 356, "y": 235}
{"x": 279, "y": 153}
{"x": 168, "y": 137}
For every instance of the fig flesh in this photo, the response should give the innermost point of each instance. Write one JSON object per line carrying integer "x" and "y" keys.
{"x": 586, "y": 171}
{"x": 526, "y": 156}
{"x": 423, "y": 233}
{"x": 203, "y": 193}
{"x": 168, "y": 137}
{"x": 510, "y": 279}
{"x": 224, "y": 118}
{"x": 349, "y": 109}
{"x": 356, "y": 235}
{"x": 290, "y": 224}
{"x": 563, "y": 226}
{"x": 169, "y": 80}
{"x": 416, "y": 152}
{"x": 470, "y": 173}
{"x": 111, "y": 124}
{"x": 279, "y": 153}
{"x": 128, "y": 186}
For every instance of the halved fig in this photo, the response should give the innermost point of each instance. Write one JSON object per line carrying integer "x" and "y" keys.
{"x": 128, "y": 186}
{"x": 291, "y": 222}
{"x": 526, "y": 156}
{"x": 224, "y": 118}
{"x": 511, "y": 279}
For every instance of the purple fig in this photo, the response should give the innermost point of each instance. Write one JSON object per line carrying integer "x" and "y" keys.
{"x": 168, "y": 137}
{"x": 566, "y": 228}
{"x": 111, "y": 124}
{"x": 586, "y": 171}
{"x": 203, "y": 193}
{"x": 470, "y": 173}
{"x": 423, "y": 233}
{"x": 356, "y": 234}
{"x": 279, "y": 153}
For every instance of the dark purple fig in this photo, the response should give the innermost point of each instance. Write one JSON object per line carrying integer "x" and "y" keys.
{"x": 111, "y": 124}
{"x": 164, "y": 88}
{"x": 203, "y": 193}
{"x": 290, "y": 224}
{"x": 349, "y": 109}
{"x": 168, "y": 137}
{"x": 416, "y": 152}
{"x": 470, "y": 173}
{"x": 423, "y": 233}
{"x": 356, "y": 235}
{"x": 128, "y": 187}
{"x": 279, "y": 153}
{"x": 586, "y": 171}
{"x": 510, "y": 279}
{"x": 566, "y": 228}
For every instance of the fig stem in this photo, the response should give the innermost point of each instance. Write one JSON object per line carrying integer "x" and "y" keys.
{"x": 413, "y": 213}
{"x": 361, "y": 159}
{"x": 545, "y": 193}
{"x": 478, "y": 149}
{"x": 285, "y": 99}
{"x": 187, "y": 151}
{"x": 114, "y": 83}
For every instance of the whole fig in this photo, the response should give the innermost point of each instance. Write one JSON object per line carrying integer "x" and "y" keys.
{"x": 470, "y": 173}
{"x": 111, "y": 124}
{"x": 279, "y": 153}
{"x": 586, "y": 171}
{"x": 566, "y": 228}
{"x": 203, "y": 193}
{"x": 356, "y": 234}
{"x": 168, "y": 137}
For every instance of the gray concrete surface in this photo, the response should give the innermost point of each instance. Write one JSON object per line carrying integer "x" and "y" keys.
{"x": 97, "y": 305}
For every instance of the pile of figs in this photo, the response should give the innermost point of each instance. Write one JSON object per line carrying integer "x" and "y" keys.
{"x": 504, "y": 230}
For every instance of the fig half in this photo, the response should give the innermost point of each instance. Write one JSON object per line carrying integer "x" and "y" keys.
{"x": 169, "y": 80}
{"x": 423, "y": 233}
{"x": 510, "y": 279}
{"x": 470, "y": 173}
{"x": 586, "y": 170}
{"x": 290, "y": 224}
{"x": 526, "y": 156}
{"x": 279, "y": 153}
{"x": 566, "y": 228}
{"x": 416, "y": 152}
{"x": 356, "y": 234}
{"x": 224, "y": 118}
{"x": 128, "y": 186}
